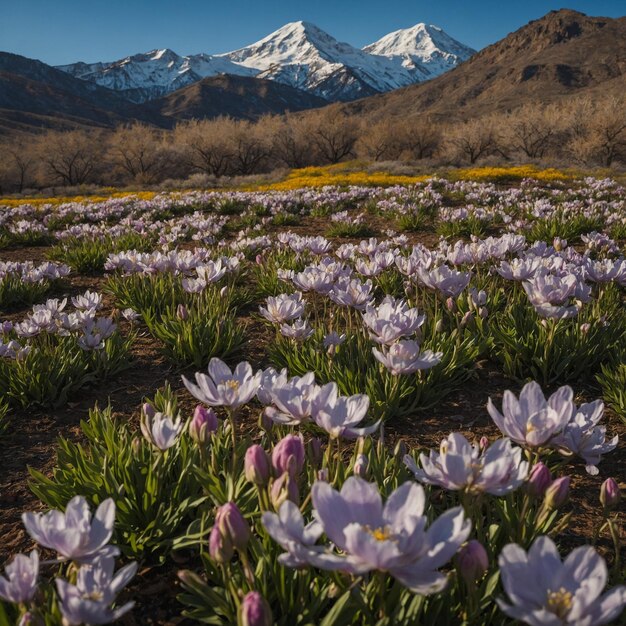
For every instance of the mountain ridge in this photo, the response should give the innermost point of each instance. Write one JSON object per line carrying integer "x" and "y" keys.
{"x": 298, "y": 54}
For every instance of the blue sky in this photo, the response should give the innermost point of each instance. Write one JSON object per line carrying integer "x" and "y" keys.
{"x": 62, "y": 31}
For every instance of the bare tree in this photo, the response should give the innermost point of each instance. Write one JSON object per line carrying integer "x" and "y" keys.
{"x": 250, "y": 147}
{"x": 334, "y": 134}
{"x": 140, "y": 152}
{"x": 291, "y": 140}
{"x": 474, "y": 139}
{"x": 420, "y": 137}
{"x": 17, "y": 159}
{"x": 70, "y": 157}
{"x": 381, "y": 141}
{"x": 206, "y": 145}
{"x": 608, "y": 130}
{"x": 532, "y": 129}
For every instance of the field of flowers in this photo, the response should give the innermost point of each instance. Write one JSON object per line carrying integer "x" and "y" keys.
{"x": 327, "y": 405}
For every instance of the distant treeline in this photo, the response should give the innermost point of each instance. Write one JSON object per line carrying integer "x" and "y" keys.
{"x": 580, "y": 132}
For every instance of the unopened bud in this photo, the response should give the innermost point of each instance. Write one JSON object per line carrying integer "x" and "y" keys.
{"x": 610, "y": 494}
{"x": 472, "y": 561}
{"x": 557, "y": 493}
{"x": 483, "y": 443}
{"x": 257, "y": 465}
{"x": 360, "y": 466}
{"x": 288, "y": 455}
{"x": 450, "y": 305}
{"x": 323, "y": 475}
{"x": 203, "y": 424}
{"x": 148, "y": 410}
{"x": 282, "y": 489}
{"x": 181, "y": 312}
{"x": 232, "y": 525}
{"x": 255, "y": 611}
{"x": 221, "y": 548}
{"x": 539, "y": 480}
{"x": 467, "y": 318}
{"x": 439, "y": 326}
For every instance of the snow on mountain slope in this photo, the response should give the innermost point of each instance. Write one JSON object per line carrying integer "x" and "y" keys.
{"x": 143, "y": 77}
{"x": 299, "y": 54}
{"x": 423, "y": 46}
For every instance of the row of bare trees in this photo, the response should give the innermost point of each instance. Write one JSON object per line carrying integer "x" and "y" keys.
{"x": 580, "y": 132}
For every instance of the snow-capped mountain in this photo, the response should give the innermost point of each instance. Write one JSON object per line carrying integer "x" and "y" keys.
{"x": 143, "y": 77}
{"x": 424, "y": 46}
{"x": 299, "y": 54}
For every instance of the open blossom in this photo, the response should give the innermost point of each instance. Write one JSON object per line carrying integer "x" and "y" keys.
{"x": 532, "y": 420}
{"x": 339, "y": 415}
{"x": 20, "y": 581}
{"x": 74, "y": 534}
{"x": 450, "y": 282}
{"x": 497, "y": 470}
{"x": 283, "y": 308}
{"x": 543, "y": 590}
{"x": 287, "y": 528}
{"x": 391, "y": 320}
{"x": 292, "y": 399}
{"x": 161, "y": 430}
{"x": 299, "y": 330}
{"x": 88, "y": 301}
{"x": 390, "y": 537}
{"x": 556, "y": 423}
{"x": 405, "y": 357}
{"x": 550, "y": 294}
{"x": 352, "y": 292}
{"x": 582, "y": 436}
{"x": 223, "y": 387}
{"x": 90, "y": 600}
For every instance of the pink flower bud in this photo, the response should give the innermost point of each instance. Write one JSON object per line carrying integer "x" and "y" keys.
{"x": 232, "y": 525}
{"x": 610, "y": 494}
{"x": 584, "y": 328}
{"x": 284, "y": 488}
{"x": 6, "y": 327}
{"x": 467, "y": 318}
{"x": 360, "y": 466}
{"x": 557, "y": 493}
{"x": 181, "y": 312}
{"x": 472, "y": 561}
{"x": 538, "y": 480}
{"x": 255, "y": 611}
{"x": 483, "y": 443}
{"x": 257, "y": 465}
{"x": 450, "y": 305}
{"x": 148, "y": 410}
{"x": 221, "y": 548}
{"x": 203, "y": 424}
{"x": 223, "y": 291}
{"x": 258, "y": 259}
{"x": 288, "y": 455}
{"x": 323, "y": 475}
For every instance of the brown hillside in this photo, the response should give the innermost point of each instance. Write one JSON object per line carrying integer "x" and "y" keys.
{"x": 561, "y": 54}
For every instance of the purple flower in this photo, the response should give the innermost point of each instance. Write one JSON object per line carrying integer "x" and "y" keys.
{"x": 557, "y": 492}
{"x": 90, "y": 600}
{"x": 542, "y": 590}
{"x": 160, "y": 430}
{"x": 339, "y": 415}
{"x": 287, "y": 528}
{"x": 288, "y": 455}
{"x": 391, "y": 320}
{"x": 293, "y": 398}
{"x": 550, "y": 294}
{"x": 497, "y": 470}
{"x": 390, "y": 538}
{"x": 74, "y": 534}
{"x": 223, "y": 387}
{"x": 404, "y": 357}
{"x": 532, "y": 420}
{"x": 257, "y": 465}
{"x": 233, "y": 526}
{"x": 539, "y": 480}
{"x": 20, "y": 583}
{"x": 283, "y": 308}
{"x": 255, "y": 611}
{"x": 610, "y": 494}
{"x": 203, "y": 423}
{"x": 450, "y": 282}
{"x": 472, "y": 561}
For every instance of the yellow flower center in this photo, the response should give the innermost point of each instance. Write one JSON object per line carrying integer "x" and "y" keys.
{"x": 382, "y": 533}
{"x": 95, "y": 595}
{"x": 560, "y": 602}
{"x": 232, "y": 384}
